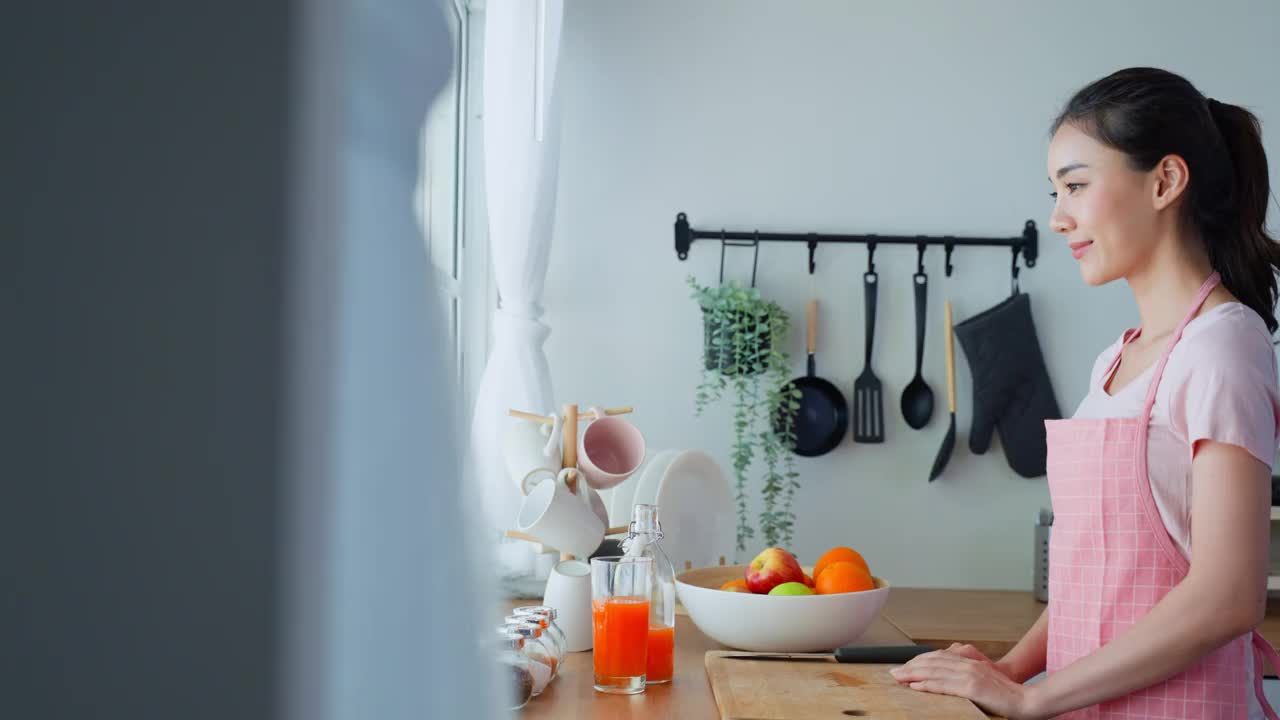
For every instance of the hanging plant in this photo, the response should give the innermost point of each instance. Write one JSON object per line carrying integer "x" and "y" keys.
{"x": 743, "y": 337}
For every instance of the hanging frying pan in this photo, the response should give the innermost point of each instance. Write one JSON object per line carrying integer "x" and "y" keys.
{"x": 823, "y": 416}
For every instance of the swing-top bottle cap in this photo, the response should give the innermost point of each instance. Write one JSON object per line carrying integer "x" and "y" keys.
{"x": 644, "y": 519}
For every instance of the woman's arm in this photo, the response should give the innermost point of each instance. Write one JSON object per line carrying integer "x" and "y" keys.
{"x": 1026, "y": 659}
{"x": 1222, "y": 597}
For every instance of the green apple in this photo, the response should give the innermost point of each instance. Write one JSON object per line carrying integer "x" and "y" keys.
{"x": 791, "y": 588}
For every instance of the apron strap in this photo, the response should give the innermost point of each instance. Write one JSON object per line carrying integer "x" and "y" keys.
{"x": 1209, "y": 284}
{"x": 1146, "y": 498}
{"x": 1261, "y": 649}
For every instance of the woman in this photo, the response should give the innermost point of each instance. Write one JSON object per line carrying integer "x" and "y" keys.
{"x": 1168, "y": 190}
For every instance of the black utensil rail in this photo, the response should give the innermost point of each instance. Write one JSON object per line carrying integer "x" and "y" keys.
{"x": 1027, "y": 244}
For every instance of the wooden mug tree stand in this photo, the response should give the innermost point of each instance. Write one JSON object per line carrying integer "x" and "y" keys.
{"x": 569, "y": 457}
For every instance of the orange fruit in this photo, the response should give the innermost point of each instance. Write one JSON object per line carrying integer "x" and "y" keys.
{"x": 735, "y": 586}
{"x": 843, "y": 577}
{"x": 840, "y": 554}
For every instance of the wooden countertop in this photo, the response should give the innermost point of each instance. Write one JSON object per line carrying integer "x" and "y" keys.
{"x": 571, "y": 694}
{"x": 688, "y": 695}
{"x": 992, "y": 620}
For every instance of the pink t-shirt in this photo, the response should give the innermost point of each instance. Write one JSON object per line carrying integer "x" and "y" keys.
{"x": 1219, "y": 384}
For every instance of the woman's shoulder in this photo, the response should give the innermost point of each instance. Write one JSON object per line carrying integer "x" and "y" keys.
{"x": 1225, "y": 331}
{"x": 1230, "y": 342}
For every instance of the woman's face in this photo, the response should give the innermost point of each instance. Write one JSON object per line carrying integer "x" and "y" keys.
{"x": 1103, "y": 206}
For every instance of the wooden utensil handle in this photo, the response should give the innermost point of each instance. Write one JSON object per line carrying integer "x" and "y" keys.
{"x": 547, "y": 420}
{"x": 516, "y": 535}
{"x": 811, "y": 326}
{"x": 570, "y": 452}
{"x": 951, "y": 362}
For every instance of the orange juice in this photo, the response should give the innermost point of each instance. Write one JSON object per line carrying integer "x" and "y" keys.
{"x": 662, "y": 648}
{"x": 620, "y": 636}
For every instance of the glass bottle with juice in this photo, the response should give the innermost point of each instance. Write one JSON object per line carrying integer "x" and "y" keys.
{"x": 642, "y": 541}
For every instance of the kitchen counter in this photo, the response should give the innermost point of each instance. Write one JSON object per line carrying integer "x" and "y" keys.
{"x": 689, "y": 695}
{"x": 991, "y": 620}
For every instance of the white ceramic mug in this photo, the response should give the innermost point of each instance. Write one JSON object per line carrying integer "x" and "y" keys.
{"x": 609, "y": 450}
{"x": 559, "y": 518}
{"x": 524, "y": 449}
{"x": 569, "y": 592}
{"x": 588, "y": 494}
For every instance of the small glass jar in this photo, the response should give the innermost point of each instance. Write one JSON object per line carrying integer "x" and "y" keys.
{"x": 547, "y": 618}
{"x": 554, "y": 650}
{"x": 542, "y": 662}
{"x": 513, "y": 668}
{"x": 544, "y": 617}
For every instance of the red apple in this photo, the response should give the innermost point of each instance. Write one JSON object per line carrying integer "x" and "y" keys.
{"x": 809, "y": 581}
{"x": 771, "y": 568}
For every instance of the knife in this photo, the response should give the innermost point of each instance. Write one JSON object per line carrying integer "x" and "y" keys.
{"x": 874, "y": 654}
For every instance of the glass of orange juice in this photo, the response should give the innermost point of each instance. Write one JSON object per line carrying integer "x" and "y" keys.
{"x": 620, "y": 588}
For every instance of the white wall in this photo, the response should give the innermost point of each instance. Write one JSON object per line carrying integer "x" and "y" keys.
{"x": 889, "y": 117}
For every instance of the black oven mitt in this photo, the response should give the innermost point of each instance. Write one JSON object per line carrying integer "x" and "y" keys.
{"x": 1011, "y": 388}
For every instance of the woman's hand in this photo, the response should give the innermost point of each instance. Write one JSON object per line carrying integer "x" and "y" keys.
{"x": 963, "y": 670}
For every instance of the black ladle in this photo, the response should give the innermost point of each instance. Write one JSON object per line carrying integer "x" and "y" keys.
{"x": 917, "y": 397}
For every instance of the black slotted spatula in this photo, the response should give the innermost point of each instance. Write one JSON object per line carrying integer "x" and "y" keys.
{"x": 868, "y": 401}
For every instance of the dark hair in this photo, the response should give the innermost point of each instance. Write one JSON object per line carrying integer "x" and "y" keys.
{"x": 1147, "y": 114}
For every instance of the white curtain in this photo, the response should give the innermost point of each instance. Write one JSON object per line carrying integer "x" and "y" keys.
{"x": 522, "y": 153}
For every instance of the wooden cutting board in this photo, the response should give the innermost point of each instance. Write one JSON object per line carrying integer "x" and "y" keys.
{"x": 773, "y": 690}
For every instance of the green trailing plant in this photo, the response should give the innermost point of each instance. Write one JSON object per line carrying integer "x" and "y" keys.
{"x": 743, "y": 340}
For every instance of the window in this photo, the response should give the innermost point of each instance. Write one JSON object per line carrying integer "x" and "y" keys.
{"x": 441, "y": 196}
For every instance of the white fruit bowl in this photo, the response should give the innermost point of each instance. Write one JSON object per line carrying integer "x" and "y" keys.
{"x": 776, "y": 623}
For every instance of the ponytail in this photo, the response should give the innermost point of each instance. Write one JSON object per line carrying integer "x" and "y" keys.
{"x": 1241, "y": 250}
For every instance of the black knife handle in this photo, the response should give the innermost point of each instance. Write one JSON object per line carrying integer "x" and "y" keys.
{"x": 885, "y": 654}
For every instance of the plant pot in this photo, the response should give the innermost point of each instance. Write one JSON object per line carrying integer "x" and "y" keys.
{"x": 721, "y": 357}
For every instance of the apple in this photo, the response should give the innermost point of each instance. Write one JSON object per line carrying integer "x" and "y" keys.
{"x": 771, "y": 568}
{"x": 791, "y": 588}
{"x": 808, "y": 581}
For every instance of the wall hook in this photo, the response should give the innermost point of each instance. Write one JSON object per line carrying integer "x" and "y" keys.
{"x": 1014, "y": 288}
{"x": 754, "y": 243}
{"x": 755, "y": 260}
{"x": 920, "y": 246}
{"x": 813, "y": 247}
{"x": 949, "y": 247}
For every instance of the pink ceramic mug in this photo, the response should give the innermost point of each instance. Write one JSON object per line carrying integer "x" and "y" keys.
{"x": 609, "y": 450}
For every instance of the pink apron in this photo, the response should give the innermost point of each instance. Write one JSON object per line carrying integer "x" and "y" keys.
{"x": 1111, "y": 560}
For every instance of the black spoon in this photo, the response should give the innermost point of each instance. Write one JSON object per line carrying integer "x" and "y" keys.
{"x": 917, "y": 397}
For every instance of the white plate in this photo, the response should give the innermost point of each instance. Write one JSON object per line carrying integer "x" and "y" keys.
{"x": 647, "y": 486}
{"x": 621, "y": 495}
{"x": 695, "y": 506}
